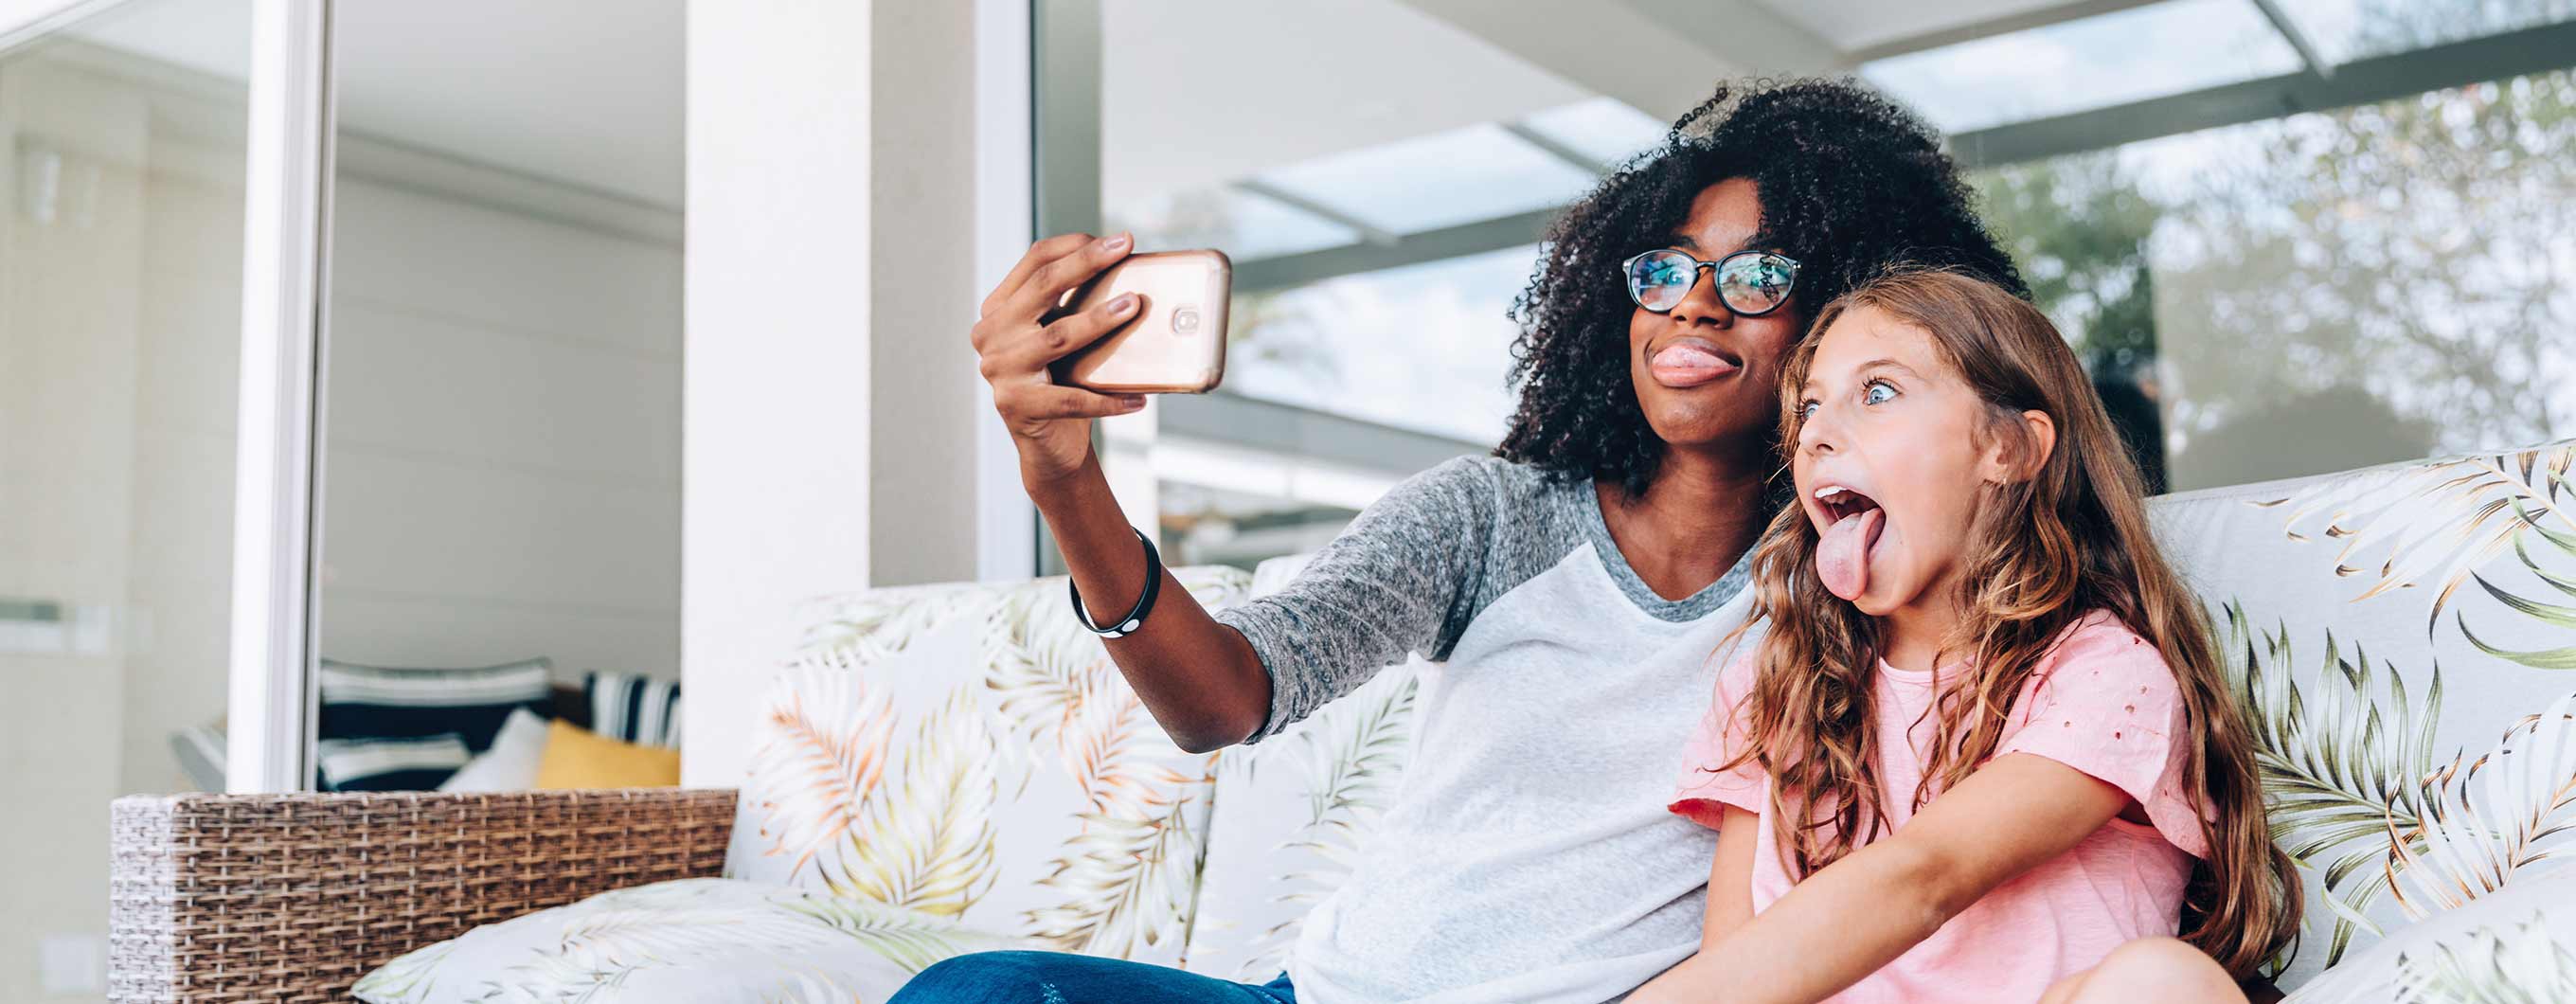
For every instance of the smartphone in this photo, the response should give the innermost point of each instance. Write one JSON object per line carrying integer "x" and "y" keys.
{"x": 1176, "y": 342}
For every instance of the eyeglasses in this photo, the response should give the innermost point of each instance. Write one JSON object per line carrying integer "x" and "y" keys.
{"x": 1750, "y": 283}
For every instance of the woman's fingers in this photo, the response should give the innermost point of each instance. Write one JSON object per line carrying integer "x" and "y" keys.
{"x": 1073, "y": 331}
{"x": 1039, "y": 254}
{"x": 1053, "y": 279}
{"x": 1047, "y": 402}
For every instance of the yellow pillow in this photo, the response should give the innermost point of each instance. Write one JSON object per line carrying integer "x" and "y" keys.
{"x": 579, "y": 758}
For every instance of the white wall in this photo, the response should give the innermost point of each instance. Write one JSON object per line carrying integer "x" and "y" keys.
{"x": 830, "y": 396}
{"x": 501, "y": 472}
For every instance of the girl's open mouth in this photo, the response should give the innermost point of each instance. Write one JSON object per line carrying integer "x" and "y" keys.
{"x": 1842, "y": 551}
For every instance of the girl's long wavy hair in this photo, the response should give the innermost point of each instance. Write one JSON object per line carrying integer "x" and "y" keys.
{"x": 2071, "y": 539}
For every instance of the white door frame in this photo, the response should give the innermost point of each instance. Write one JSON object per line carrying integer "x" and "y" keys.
{"x": 286, "y": 226}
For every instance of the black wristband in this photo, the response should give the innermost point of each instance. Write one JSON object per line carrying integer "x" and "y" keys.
{"x": 1127, "y": 625}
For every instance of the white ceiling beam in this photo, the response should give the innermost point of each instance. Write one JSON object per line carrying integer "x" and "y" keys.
{"x": 1608, "y": 48}
{"x": 1745, "y": 33}
{"x": 1368, "y": 232}
{"x": 1989, "y": 28}
{"x": 1564, "y": 154}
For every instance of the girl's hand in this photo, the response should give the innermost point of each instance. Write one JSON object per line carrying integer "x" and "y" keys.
{"x": 1014, "y": 344}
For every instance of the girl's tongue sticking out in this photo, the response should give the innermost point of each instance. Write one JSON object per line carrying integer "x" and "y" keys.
{"x": 1842, "y": 551}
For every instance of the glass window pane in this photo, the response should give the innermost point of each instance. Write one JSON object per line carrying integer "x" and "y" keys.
{"x": 2345, "y": 30}
{"x": 501, "y": 455}
{"x": 2144, "y": 52}
{"x": 1408, "y": 186}
{"x": 1245, "y": 225}
{"x": 121, "y": 160}
{"x": 1604, "y": 129}
{"x": 2324, "y": 291}
{"x": 1220, "y": 526}
{"x": 1381, "y": 346}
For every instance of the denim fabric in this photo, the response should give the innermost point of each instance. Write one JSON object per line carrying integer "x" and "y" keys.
{"x": 1065, "y": 978}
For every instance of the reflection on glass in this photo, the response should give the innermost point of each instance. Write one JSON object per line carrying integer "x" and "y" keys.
{"x": 1444, "y": 179}
{"x": 501, "y": 455}
{"x": 2163, "y": 48}
{"x": 2324, "y": 291}
{"x": 1604, "y": 129}
{"x": 1424, "y": 347}
{"x": 2345, "y": 30}
{"x": 1215, "y": 526}
{"x": 1243, "y": 225}
{"x": 120, "y": 335}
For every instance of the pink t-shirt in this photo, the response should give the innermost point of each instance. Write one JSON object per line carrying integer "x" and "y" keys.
{"x": 2103, "y": 703}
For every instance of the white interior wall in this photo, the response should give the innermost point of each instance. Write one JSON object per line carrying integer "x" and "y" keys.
{"x": 829, "y": 291}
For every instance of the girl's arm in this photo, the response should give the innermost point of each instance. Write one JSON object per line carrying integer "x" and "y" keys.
{"x": 1730, "y": 878}
{"x": 1863, "y": 911}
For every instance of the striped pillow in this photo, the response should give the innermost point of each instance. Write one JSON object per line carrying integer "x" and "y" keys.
{"x": 416, "y": 764}
{"x": 634, "y": 708}
{"x": 375, "y": 702}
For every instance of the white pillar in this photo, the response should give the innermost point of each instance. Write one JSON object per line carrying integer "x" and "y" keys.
{"x": 830, "y": 402}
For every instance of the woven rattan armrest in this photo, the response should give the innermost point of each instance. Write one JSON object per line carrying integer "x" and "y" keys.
{"x": 293, "y": 897}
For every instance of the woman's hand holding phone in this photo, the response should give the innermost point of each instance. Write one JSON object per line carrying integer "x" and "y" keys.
{"x": 1016, "y": 342}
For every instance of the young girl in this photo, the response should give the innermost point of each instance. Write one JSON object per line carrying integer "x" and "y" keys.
{"x": 1984, "y": 751}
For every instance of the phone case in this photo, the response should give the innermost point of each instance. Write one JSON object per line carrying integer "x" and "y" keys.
{"x": 1176, "y": 343}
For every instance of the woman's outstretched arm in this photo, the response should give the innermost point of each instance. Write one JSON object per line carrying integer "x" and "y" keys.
{"x": 1201, "y": 680}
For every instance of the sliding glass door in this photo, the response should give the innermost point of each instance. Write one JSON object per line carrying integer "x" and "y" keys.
{"x": 123, "y": 141}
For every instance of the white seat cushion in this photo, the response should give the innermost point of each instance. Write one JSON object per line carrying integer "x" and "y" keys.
{"x": 690, "y": 941}
{"x": 2517, "y": 944}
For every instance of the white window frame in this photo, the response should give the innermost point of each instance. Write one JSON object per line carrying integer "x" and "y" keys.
{"x": 1006, "y": 523}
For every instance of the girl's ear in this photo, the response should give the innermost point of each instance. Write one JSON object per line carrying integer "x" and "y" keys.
{"x": 2011, "y": 459}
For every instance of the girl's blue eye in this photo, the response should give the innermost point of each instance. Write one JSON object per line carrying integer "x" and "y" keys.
{"x": 1806, "y": 408}
{"x": 1878, "y": 392}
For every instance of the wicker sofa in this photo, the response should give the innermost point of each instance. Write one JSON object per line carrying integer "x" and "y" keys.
{"x": 963, "y": 762}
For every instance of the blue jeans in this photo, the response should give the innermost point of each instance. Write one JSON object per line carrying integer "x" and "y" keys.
{"x": 1065, "y": 978}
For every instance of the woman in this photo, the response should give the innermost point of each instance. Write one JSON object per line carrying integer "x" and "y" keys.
{"x": 1571, "y": 584}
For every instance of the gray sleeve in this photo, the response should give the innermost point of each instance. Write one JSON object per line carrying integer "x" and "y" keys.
{"x": 1400, "y": 579}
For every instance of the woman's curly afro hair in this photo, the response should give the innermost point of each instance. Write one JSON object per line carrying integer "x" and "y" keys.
{"x": 1850, "y": 183}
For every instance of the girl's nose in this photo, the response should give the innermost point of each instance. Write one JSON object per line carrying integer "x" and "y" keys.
{"x": 1817, "y": 433}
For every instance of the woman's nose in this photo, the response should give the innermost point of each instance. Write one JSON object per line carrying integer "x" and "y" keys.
{"x": 1701, "y": 304}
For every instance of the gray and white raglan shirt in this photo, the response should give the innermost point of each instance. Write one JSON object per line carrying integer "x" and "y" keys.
{"x": 1528, "y": 856}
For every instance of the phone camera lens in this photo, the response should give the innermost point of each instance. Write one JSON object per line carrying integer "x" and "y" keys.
{"x": 1185, "y": 321}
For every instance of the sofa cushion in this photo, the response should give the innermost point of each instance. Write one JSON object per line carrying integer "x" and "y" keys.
{"x": 970, "y": 752}
{"x": 699, "y": 941}
{"x": 2390, "y": 633}
{"x": 633, "y": 707}
{"x": 374, "y": 702}
{"x": 511, "y": 764}
{"x": 2518, "y": 944}
{"x": 412, "y": 763}
{"x": 576, "y": 758}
